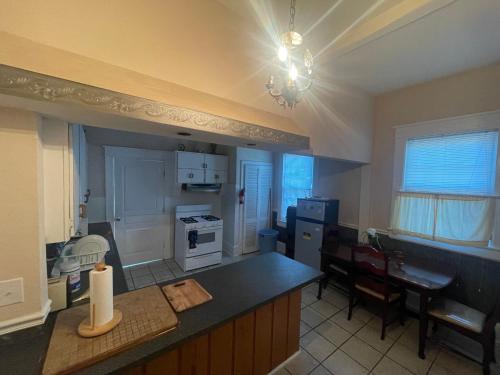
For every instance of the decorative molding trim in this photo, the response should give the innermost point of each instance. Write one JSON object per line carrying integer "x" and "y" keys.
{"x": 31, "y": 85}
{"x": 26, "y": 321}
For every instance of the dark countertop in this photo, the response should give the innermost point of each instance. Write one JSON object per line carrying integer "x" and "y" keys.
{"x": 236, "y": 288}
{"x": 23, "y": 352}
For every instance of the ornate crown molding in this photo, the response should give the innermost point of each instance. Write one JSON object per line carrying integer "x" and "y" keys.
{"x": 23, "y": 83}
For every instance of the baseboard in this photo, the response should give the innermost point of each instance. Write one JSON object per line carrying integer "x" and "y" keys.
{"x": 25, "y": 321}
{"x": 349, "y": 225}
{"x": 229, "y": 249}
{"x": 284, "y": 363}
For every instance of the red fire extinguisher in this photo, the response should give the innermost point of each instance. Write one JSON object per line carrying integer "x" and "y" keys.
{"x": 241, "y": 196}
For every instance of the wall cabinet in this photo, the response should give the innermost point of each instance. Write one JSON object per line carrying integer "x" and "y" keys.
{"x": 198, "y": 168}
{"x": 64, "y": 179}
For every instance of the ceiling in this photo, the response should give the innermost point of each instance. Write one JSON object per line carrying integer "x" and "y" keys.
{"x": 448, "y": 37}
{"x": 362, "y": 48}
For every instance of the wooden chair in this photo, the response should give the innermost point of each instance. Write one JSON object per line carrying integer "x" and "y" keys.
{"x": 468, "y": 321}
{"x": 370, "y": 280}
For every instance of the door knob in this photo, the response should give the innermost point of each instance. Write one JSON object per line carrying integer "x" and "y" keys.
{"x": 118, "y": 218}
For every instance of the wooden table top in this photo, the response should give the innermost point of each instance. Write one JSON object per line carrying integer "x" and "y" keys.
{"x": 411, "y": 272}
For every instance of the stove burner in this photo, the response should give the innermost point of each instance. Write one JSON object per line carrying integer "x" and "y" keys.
{"x": 210, "y": 218}
{"x": 189, "y": 220}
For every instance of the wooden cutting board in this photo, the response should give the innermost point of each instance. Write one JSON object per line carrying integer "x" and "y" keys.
{"x": 146, "y": 313}
{"x": 186, "y": 294}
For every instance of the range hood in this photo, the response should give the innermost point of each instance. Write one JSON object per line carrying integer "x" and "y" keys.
{"x": 202, "y": 188}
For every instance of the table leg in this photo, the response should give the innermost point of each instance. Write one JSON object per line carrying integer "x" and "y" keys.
{"x": 423, "y": 325}
{"x": 321, "y": 286}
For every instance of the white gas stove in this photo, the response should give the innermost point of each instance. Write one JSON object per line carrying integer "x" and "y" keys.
{"x": 198, "y": 237}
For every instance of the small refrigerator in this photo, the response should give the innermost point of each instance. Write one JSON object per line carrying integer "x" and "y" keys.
{"x": 315, "y": 218}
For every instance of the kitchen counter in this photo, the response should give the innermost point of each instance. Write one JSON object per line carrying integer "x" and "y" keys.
{"x": 237, "y": 289}
{"x": 23, "y": 352}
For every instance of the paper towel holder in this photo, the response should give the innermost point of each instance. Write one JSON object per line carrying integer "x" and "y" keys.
{"x": 86, "y": 329}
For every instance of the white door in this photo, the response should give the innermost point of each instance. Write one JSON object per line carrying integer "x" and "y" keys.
{"x": 257, "y": 182}
{"x": 135, "y": 202}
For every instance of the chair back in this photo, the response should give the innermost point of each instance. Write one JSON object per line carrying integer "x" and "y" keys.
{"x": 370, "y": 260}
{"x": 371, "y": 269}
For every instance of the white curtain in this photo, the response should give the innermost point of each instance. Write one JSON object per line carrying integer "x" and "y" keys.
{"x": 455, "y": 219}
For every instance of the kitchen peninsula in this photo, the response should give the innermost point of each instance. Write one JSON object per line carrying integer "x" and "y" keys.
{"x": 251, "y": 324}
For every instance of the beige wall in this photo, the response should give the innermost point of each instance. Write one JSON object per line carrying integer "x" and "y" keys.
{"x": 163, "y": 51}
{"x": 22, "y": 247}
{"x": 460, "y": 94}
{"x": 340, "y": 180}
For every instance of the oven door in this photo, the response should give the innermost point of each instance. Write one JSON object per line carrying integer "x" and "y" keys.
{"x": 208, "y": 240}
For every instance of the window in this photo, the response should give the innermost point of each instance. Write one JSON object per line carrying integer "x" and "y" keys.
{"x": 297, "y": 180}
{"x": 448, "y": 188}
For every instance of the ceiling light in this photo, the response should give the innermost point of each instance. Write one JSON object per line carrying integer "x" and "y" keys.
{"x": 293, "y": 67}
{"x": 293, "y": 73}
{"x": 282, "y": 53}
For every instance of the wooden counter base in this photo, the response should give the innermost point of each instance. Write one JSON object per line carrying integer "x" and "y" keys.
{"x": 255, "y": 343}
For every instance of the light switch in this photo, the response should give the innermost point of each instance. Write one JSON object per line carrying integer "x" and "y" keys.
{"x": 11, "y": 291}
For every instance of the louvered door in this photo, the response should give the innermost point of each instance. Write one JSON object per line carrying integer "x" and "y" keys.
{"x": 257, "y": 207}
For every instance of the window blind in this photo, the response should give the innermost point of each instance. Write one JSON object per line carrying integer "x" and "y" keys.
{"x": 446, "y": 188}
{"x": 297, "y": 180}
{"x": 454, "y": 164}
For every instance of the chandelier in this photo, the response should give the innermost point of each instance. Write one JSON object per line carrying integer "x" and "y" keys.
{"x": 292, "y": 65}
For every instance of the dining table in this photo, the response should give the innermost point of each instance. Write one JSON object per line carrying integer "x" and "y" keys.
{"x": 423, "y": 277}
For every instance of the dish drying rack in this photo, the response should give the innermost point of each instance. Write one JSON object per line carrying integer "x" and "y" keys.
{"x": 89, "y": 250}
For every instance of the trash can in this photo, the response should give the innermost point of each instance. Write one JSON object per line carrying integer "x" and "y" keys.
{"x": 267, "y": 240}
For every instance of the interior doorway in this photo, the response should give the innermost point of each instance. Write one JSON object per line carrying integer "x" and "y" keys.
{"x": 256, "y": 212}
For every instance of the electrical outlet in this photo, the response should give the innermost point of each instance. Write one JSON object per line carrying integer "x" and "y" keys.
{"x": 11, "y": 291}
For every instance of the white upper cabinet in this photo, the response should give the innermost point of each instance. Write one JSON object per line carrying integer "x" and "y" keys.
{"x": 198, "y": 168}
{"x": 216, "y": 162}
{"x": 64, "y": 179}
{"x": 190, "y": 160}
{"x": 80, "y": 186}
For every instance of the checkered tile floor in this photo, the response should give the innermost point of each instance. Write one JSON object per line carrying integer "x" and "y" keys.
{"x": 330, "y": 344}
{"x": 144, "y": 275}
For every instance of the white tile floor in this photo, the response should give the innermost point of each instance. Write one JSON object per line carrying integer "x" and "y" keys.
{"x": 330, "y": 344}
{"x": 144, "y": 275}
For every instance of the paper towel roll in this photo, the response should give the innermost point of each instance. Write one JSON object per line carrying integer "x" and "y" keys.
{"x": 101, "y": 296}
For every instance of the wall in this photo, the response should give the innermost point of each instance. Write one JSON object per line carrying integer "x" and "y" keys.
{"x": 22, "y": 247}
{"x": 97, "y": 138}
{"x": 172, "y": 38}
{"x": 460, "y": 94}
{"x": 340, "y": 180}
{"x": 336, "y": 179}
{"x": 338, "y": 122}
